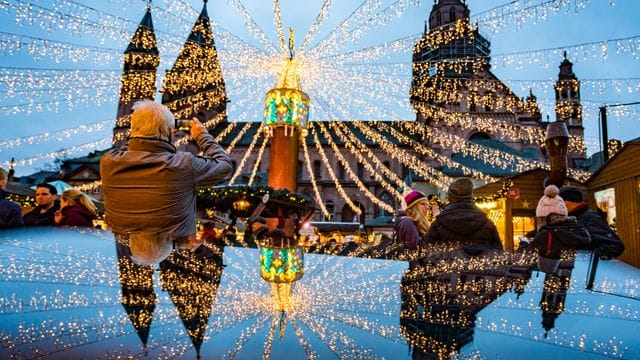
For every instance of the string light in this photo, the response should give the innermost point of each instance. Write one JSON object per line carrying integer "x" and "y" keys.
{"x": 312, "y": 177}
{"x": 350, "y": 172}
{"x": 247, "y": 153}
{"x": 332, "y": 175}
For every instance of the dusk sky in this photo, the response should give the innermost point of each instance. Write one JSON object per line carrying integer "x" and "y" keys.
{"x": 601, "y": 37}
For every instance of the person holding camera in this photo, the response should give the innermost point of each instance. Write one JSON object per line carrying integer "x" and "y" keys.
{"x": 148, "y": 185}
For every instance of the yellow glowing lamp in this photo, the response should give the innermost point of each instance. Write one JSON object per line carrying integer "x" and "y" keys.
{"x": 281, "y": 264}
{"x": 285, "y": 106}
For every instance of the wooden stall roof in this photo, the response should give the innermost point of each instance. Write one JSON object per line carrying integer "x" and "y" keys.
{"x": 529, "y": 182}
{"x": 623, "y": 165}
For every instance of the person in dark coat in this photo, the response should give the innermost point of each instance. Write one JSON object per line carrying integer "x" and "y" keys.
{"x": 48, "y": 204}
{"x": 604, "y": 241}
{"x": 462, "y": 220}
{"x": 76, "y": 209}
{"x": 10, "y": 212}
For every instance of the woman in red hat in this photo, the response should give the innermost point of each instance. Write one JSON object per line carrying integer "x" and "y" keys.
{"x": 411, "y": 228}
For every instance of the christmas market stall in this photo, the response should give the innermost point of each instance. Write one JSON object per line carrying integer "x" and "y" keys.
{"x": 615, "y": 189}
{"x": 511, "y": 203}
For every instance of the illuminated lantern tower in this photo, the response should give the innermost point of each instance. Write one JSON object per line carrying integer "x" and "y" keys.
{"x": 285, "y": 118}
{"x": 141, "y": 60}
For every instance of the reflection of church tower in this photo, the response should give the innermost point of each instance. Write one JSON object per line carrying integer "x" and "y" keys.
{"x": 195, "y": 82}
{"x": 569, "y": 110}
{"x": 441, "y": 297}
{"x": 554, "y": 293}
{"x": 192, "y": 280}
{"x": 138, "y": 298}
{"x": 138, "y": 82}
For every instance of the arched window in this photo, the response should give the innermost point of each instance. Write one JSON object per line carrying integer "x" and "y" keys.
{"x": 438, "y": 18}
{"x": 299, "y": 170}
{"x": 452, "y": 15}
{"x": 360, "y": 171}
{"x": 316, "y": 169}
{"x": 341, "y": 173}
{"x": 387, "y": 199}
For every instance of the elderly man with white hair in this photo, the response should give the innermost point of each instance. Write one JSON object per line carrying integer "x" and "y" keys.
{"x": 149, "y": 186}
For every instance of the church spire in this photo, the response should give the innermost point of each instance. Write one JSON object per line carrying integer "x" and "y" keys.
{"x": 196, "y": 77}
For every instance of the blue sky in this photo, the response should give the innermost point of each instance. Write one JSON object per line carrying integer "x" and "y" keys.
{"x": 94, "y": 103}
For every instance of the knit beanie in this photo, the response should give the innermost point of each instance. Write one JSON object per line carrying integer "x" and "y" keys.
{"x": 413, "y": 197}
{"x": 551, "y": 202}
{"x": 461, "y": 189}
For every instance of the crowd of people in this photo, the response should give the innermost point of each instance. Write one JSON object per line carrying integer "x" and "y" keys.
{"x": 149, "y": 190}
{"x": 74, "y": 208}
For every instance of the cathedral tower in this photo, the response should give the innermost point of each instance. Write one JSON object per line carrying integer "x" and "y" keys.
{"x": 569, "y": 110}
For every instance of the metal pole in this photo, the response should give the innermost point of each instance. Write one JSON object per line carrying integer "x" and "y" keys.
{"x": 605, "y": 135}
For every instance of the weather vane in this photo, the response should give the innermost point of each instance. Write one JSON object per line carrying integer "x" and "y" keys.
{"x": 292, "y": 44}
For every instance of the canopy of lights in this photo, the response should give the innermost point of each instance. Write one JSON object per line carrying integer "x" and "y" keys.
{"x": 351, "y": 83}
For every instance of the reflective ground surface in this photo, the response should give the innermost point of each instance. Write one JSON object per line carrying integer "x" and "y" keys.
{"x": 68, "y": 293}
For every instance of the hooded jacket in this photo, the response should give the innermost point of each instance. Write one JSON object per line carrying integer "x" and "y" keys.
{"x": 463, "y": 221}
{"x": 149, "y": 186}
{"x": 76, "y": 215}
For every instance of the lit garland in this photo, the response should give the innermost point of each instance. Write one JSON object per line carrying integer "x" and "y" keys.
{"x": 258, "y": 160}
{"x": 519, "y": 12}
{"x": 350, "y": 172}
{"x": 90, "y": 146}
{"x": 506, "y": 185}
{"x": 364, "y": 11}
{"x": 247, "y": 153}
{"x": 60, "y": 135}
{"x": 235, "y": 140}
{"x": 312, "y": 178}
{"x": 277, "y": 18}
{"x": 39, "y": 48}
{"x": 333, "y": 176}
{"x": 486, "y": 122}
{"x": 322, "y": 15}
{"x": 441, "y": 159}
{"x": 252, "y": 26}
{"x": 349, "y": 145}
{"x": 359, "y": 147}
{"x": 430, "y": 174}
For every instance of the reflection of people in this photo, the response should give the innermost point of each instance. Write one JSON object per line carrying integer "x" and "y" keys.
{"x": 462, "y": 219}
{"x": 550, "y": 203}
{"x": 412, "y": 228}
{"x": 10, "y": 212}
{"x": 48, "y": 204}
{"x": 604, "y": 241}
{"x": 76, "y": 209}
{"x": 256, "y": 231}
{"x": 148, "y": 185}
{"x": 442, "y": 293}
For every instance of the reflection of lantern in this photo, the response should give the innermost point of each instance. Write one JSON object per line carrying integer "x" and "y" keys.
{"x": 281, "y": 264}
{"x": 241, "y": 205}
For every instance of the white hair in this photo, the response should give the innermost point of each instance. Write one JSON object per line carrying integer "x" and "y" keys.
{"x": 150, "y": 119}
{"x": 150, "y": 248}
